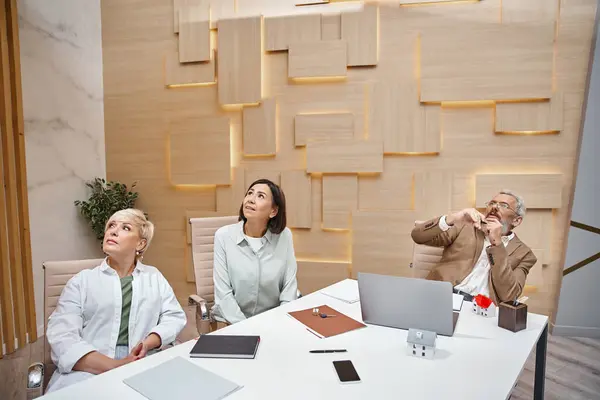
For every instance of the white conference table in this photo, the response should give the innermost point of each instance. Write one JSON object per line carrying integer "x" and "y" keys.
{"x": 480, "y": 361}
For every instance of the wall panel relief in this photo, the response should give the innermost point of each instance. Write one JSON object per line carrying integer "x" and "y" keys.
{"x": 370, "y": 116}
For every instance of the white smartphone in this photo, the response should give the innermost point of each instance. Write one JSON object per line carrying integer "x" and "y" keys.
{"x": 346, "y": 372}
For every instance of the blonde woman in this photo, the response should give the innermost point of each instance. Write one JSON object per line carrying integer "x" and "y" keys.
{"x": 115, "y": 313}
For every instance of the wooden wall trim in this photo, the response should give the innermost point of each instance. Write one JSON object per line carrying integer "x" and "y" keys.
{"x": 8, "y": 314}
{"x": 21, "y": 168}
{"x": 17, "y": 300}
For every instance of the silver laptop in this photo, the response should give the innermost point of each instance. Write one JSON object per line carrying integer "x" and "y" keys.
{"x": 407, "y": 303}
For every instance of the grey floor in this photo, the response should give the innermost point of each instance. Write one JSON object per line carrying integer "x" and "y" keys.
{"x": 572, "y": 370}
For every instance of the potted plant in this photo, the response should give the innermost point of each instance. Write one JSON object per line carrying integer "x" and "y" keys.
{"x": 105, "y": 199}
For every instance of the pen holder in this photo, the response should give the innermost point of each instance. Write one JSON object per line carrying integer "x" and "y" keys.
{"x": 511, "y": 317}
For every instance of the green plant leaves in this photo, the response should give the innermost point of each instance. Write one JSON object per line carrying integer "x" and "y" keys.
{"x": 105, "y": 199}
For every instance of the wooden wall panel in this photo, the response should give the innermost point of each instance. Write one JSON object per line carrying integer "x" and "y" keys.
{"x": 381, "y": 242}
{"x": 221, "y": 9}
{"x": 315, "y": 275}
{"x": 397, "y": 118}
{"x": 576, "y": 23}
{"x": 467, "y": 129}
{"x": 240, "y": 60}
{"x": 441, "y": 72}
{"x": 177, "y": 4}
{"x": 323, "y": 127}
{"x": 260, "y": 128}
{"x": 324, "y": 98}
{"x": 199, "y": 151}
{"x": 463, "y": 190}
{"x": 415, "y": 20}
{"x": 177, "y": 74}
{"x": 331, "y": 26}
{"x": 230, "y": 8}
{"x": 281, "y": 31}
{"x": 388, "y": 191}
{"x": 317, "y": 59}
{"x": 539, "y": 190}
{"x": 316, "y": 244}
{"x": 531, "y": 116}
{"x": 194, "y": 33}
{"x": 536, "y": 229}
{"x": 340, "y": 199}
{"x": 414, "y": 2}
{"x": 360, "y": 31}
{"x": 289, "y": 7}
{"x": 430, "y": 141}
{"x": 530, "y": 11}
{"x": 433, "y": 194}
{"x": 344, "y": 156}
{"x": 487, "y": 63}
{"x": 218, "y": 9}
{"x": 228, "y": 198}
{"x": 311, "y": 2}
{"x": 252, "y": 175}
{"x": 537, "y": 277}
{"x": 296, "y": 186}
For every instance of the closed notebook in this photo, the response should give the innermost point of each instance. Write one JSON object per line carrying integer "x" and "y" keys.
{"x": 225, "y": 346}
{"x": 178, "y": 379}
{"x": 326, "y": 327}
{"x": 346, "y": 291}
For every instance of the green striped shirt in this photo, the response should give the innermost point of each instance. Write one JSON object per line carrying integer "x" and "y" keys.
{"x": 126, "y": 292}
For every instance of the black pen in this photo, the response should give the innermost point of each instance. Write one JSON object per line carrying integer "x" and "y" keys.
{"x": 328, "y": 351}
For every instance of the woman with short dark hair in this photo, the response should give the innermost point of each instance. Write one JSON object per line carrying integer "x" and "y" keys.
{"x": 254, "y": 261}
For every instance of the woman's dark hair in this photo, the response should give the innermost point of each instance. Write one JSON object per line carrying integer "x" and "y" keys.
{"x": 278, "y": 222}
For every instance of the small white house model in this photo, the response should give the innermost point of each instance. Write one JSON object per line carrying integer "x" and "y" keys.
{"x": 484, "y": 306}
{"x": 420, "y": 343}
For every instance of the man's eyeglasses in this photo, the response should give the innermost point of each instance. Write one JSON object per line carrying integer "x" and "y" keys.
{"x": 499, "y": 205}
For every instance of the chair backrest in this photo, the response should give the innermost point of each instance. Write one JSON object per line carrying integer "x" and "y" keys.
{"x": 203, "y": 239}
{"x": 56, "y": 276}
{"x": 425, "y": 258}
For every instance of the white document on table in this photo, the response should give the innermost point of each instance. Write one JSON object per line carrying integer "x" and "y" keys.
{"x": 457, "y": 300}
{"x": 346, "y": 291}
{"x": 179, "y": 378}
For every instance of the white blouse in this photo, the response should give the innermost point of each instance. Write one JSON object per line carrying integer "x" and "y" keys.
{"x": 248, "y": 282}
{"x": 88, "y": 314}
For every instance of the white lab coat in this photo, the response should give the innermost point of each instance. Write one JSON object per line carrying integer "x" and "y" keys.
{"x": 88, "y": 317}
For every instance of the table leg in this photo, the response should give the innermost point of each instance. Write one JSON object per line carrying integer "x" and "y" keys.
{"x": 540, "y": 365}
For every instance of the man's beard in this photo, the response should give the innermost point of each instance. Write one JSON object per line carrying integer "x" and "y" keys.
{"x": 506, "y": 225}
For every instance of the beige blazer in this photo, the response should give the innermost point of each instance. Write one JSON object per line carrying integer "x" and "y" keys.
{"x": 463, "y": 244}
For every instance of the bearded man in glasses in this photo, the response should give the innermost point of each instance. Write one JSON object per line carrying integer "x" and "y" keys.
{"x": 482, "y": 255}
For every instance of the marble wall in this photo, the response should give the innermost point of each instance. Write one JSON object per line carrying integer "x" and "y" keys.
{"x": 61, "y": 63}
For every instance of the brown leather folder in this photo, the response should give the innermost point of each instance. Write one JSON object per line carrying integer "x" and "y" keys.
{"x": 326, "y": 327}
